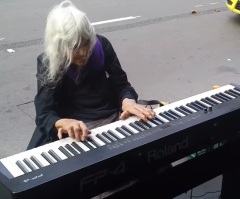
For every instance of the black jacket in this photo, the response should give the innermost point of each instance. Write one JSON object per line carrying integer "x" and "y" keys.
{"x": 98, "y": 96}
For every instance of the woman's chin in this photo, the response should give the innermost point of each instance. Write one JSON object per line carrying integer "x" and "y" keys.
{"x": 80, "y": 64}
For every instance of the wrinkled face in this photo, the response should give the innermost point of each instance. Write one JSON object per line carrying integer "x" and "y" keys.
{"x": 81, "y": 54}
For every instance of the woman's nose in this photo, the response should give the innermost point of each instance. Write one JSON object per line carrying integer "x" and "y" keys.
{"x": 83, "y": 52}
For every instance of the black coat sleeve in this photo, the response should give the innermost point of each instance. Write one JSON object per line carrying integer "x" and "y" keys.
{"x": 119, "y": 77}
{"x": 45, "y": 102}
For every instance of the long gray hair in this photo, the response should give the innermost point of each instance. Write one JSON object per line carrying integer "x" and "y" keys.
{"x": 65, "y": 28}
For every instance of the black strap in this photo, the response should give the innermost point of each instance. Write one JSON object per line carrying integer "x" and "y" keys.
{"x": 150, "y": 103}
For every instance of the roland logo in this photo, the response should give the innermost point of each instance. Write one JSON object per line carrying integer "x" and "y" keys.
{"x": 157, "y": 154}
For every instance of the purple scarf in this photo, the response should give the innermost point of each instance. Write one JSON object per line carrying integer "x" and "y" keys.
{"x": 95, "y": 63}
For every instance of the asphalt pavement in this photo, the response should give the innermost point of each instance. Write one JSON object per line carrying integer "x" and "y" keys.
{"x": 168, "y": 59}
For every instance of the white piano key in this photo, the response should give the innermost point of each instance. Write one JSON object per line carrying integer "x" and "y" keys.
{"x": 21, "y": 157}
{"x": 229, "y": 95}
{"x": 93, "y": 136}
{"x": 69, "y": 141}
{"x": 18, "y": 157}
{"x": 150, "y": 123}
{"x": 131, "y": 120}
{"x": 204, "y": 103}
{"x": 219, "y": 102}
{"x": 177, "y": 112}
{"x": 117, "y": 134}
{"x": 46, "y": 148}
{"x": 23, "y": 166}
{"x": 112, "y": 127}
{"x": 27, "y": 154}
{"x": 162, "y": 118}
{"x": 235, "y": 95}
{"x": 131, "y": 128}
{"x": 189, "y": 108}
{"x": 236, "y": 91}
{"x": 55, "y": 146}
{"x": 91, "y": 144}
{"x": 104, "y": 138}
{"x": 30, "y": 164}
{"x": 38, "y": 155}
{"x": 123, "y": 131}
{"x": 83, "y": 146}
{"x": 12, "y": 168}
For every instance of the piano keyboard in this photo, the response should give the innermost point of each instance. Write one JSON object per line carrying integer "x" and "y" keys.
{"x": 52, "y": 153}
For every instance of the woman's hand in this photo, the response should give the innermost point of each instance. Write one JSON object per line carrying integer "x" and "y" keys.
{"x": 130, "y": 107}
{"x": 74, "y": 128}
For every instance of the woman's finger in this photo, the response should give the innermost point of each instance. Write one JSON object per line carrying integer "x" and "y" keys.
{"x": 70, "y": 132}
{"x": 124, "y": 115}
{"x": 60, "y": 131}
{"x": 77, "y": 132}
{"x": 84, "y": 131}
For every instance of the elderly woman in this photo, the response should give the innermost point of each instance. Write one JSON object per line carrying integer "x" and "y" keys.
{"x": 81, "y": 84}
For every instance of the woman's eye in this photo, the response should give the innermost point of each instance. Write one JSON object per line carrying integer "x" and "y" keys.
{"x": 75, "y": 48}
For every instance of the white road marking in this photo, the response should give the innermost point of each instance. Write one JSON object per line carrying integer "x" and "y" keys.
{"x": 114, "y": 20}
{"x": 11, "y": 50}
{"x": 214, "y": 3}
{"x": 2, "y": 39}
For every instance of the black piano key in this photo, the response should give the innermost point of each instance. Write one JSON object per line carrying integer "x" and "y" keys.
{"x": 196, "y": 105}
{"x": 65, "y": 152}
{"x": 109, "y": 136}
{"x": 122, "y": 131}
{"x": 141, "y": 125}
{"x": 47, "y": 157}
{"x": 165, "y": 117}
{"x": 30, "y": 164}
{"x": 228, "y": 95}
{"x": 235, "y": 92}
{"x": 193, "y": 107}
{"x": 103, "y": 139}
{"x": 201, "y": 104}
{"x": 36, "y": 161}
{"x": 217, "y": 98}
{"x": 186, "y": 109}
{"x": 72, "y": 150}
{"x": 237, "y": 89}
{"x": 146, "y": 124}
{"x": 211, "y": 100}
{"x": 169, "y": 114}
{"x": 222, "y": 97}
{"x": 90, "y": 139}
{"x": 182, "y": 111}
{"x": 225, "y": 96}
{"x": 159, "y": 119}
{"x": 77, "y": 147}
{"x": 232, "y": 94}
{"x": 136, "y": 127}
{"x": 54, "y": 155}
{"x": 22, "y": 167}
{"x": 127, "y": 129}
{"x": 88, "y": 145}
{"x": 208, "y": 102}
{"x": 155, "y": 121}
{"x": 174, "y": 113}
{"x": 114, "y": 134}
